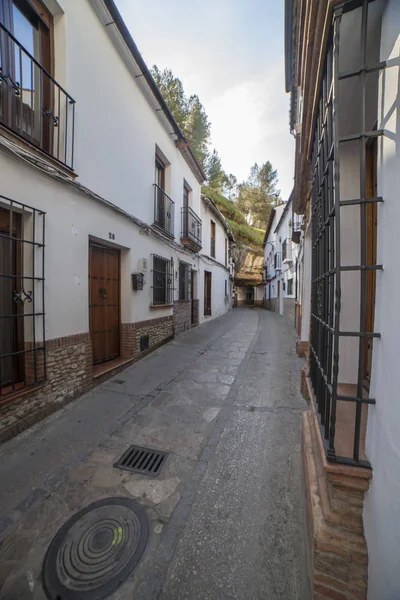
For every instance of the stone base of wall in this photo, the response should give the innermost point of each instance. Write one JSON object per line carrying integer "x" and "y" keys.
{"x": 68, "y": 374}
{"x": 159, "y": 331}
{"x": 182, "y": 315}
{"x": 289, "y": 308}
{"x": 335, "y": 495}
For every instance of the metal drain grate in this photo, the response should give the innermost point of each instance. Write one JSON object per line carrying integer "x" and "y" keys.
{"x": 142, "y": 460}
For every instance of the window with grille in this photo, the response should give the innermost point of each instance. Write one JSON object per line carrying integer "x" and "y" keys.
{"x": 185, "y": 271}
{"x": 290, "y": 287}
{"x": 344, "y": 233}
{"x": 163, "y": 280}
{"x": 212, "y": 240}
{"x": 22, "y": 331}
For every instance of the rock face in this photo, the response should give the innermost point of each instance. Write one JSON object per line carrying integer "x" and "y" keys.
{"x": 249, "y": 267}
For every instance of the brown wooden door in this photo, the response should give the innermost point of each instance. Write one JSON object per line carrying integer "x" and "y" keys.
{"x": 104, "y": 302}
{"x": 207, "y": 293}
{"x": 371, "y": 209}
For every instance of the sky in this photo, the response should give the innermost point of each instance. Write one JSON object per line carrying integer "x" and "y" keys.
{"x": 231, "y": 54}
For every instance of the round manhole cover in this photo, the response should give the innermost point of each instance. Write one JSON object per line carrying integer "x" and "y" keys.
{"x": 95, "y": 550}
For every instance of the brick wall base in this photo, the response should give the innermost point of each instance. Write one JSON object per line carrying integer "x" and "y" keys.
{"x": 302, "y": 348}
{"x": 69, "y": 372}
{"x": 159, "y": 330}
{"x": 182, "y": 315}
{"x": 335, "y": 495}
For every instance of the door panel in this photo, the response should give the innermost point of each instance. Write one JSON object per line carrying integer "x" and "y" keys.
{"x": 104, "y": 302}
{"x": 207, "y": 293}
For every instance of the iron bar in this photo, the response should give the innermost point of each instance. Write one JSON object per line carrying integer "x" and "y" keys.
{"x": 19, "y": 358}
{"x": 37, "y": 119}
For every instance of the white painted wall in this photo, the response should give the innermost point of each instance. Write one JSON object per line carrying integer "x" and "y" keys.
{"x": 116, "y": 133}
{"x": 116, "y": 128}
{"x": 305, "y": 283}
{"x": 382, "y": 503}
{"x": 71, "y": 217}
{"x": 219, "y": 269}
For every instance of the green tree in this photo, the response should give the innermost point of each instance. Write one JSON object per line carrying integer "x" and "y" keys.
{"x": 189, "y": 113}
{"x": 229, "y": 187}
{"x": 259, "y": 194}
{"x": 172, "y": 89}
{"x": 197, "y": 129}
{"x": 215, "y": 172}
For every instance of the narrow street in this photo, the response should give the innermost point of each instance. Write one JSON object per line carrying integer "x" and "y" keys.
{"x": 226, "y": 513}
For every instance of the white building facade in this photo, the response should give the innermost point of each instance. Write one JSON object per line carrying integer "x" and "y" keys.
{"x": 281, "y": 262}
{"x": 100, "y": 208}
{"x": 344, "y": 112}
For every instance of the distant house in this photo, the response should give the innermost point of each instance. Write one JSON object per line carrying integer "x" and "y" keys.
{"x": 281, "y": 262}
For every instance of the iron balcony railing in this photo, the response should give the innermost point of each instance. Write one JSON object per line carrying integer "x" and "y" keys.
{"x": 32, "y": 104}
{"x": 212, "y": 247}
{"x": 287, "y": 250}
{"x": 191, "y": 226}
{"x": 163, "y": 211}
{"x": 277, "y": 261}
{"x": 297, "y": 226}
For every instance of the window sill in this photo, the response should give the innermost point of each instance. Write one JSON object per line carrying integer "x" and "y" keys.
{"x": 157, "y": 306}
{"x": 34, "y": 151}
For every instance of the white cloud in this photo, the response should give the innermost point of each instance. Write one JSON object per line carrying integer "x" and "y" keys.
{"x": 250, "y": 124}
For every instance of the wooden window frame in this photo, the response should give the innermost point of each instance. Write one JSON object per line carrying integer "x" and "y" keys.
{"x": 212, "y": 238}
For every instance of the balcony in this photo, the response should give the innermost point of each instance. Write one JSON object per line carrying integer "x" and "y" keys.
{"x": 269, "y": 272}
{"x": 191, "y": 229}
{"x": 163, "y": 211}
{"x": 32, "y": 104}
{"x": 278, "y": 261}
{"x": 296, "y": 231}
{"x": 287, "y": 251}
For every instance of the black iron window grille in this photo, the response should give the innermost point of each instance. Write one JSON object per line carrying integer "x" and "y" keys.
{"x": 191, "y": 226}
{"x": 212, "y": 247}
{"x": 290, "y": 287}
{"x": 164, "y": 210}
{"x": 277, "y": 261}
{"x": 163, "y": 280}
{"x": 185, "y": 273}
{"x": 342, "y": 277}
{"x": 32, "y": 104}
{"x": 22, "y": 310}
{"x": 287, "y": 250}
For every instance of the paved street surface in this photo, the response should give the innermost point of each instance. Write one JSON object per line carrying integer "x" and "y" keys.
{"x": 227, "y": 515}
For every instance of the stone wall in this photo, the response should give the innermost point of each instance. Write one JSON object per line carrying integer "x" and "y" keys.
{"x": 69, "y": 373}
{"x": 159, "y": 330}
{"x": 335, "y": 493}
{"x": 182, "y": 315}
{"x": 289, "y": 310}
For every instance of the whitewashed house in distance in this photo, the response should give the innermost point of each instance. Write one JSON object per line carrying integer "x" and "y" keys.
{"x": 100, "y": 208}
{"x": 280, "y": 261}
